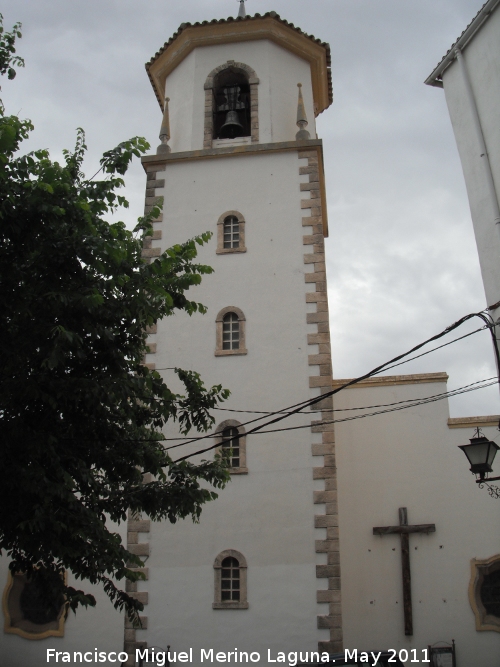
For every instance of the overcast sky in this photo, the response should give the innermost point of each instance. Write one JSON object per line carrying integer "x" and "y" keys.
{"x": 401, "y": 257}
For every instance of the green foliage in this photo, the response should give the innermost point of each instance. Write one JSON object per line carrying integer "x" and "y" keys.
{"x": 81, "y": 416}
{"x": 7, "y": 58}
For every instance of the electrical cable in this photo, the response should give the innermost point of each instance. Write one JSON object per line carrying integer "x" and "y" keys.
{"x": 393, "y": 407}
{"x": 437, "y": 348}
{"x": 361, "y": 407}
{"x": 297, "y": 407}
{"x": 380, "y": 412}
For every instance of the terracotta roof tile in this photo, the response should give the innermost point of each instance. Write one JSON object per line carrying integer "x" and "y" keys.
{"x": 273, "y": 15}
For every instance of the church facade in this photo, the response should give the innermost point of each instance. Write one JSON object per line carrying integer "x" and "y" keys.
{"x": 370, "y": 537}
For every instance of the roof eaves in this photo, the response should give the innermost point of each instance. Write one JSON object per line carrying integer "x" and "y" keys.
{"x": 436, "y": 77}
{"x": 274, "y": 15}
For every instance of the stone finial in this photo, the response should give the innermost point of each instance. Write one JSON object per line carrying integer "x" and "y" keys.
{"x": 301, "y": 118}
{"x": 165, "y": 130}
{"x": 242, "y": 12}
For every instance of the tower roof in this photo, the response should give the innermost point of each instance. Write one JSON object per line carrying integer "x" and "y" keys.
{"x": 223, "y": 31}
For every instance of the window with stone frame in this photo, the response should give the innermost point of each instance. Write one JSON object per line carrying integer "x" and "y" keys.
{"x": 484, "y": 593}
{"x": 230, "y": 583}
{"x": 231, "y": 233}
{"x": 25, "y": 612}
{"x": 231, "y": 441}
{"x": 230, "y": 332}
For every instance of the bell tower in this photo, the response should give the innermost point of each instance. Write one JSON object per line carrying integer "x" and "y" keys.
{"x": 239, "y": 156}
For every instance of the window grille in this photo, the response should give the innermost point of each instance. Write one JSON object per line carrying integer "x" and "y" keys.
{"x": 231, "y": 232}
{"x": 230, "y": 332}
{"x": 231, "y": 443}
{"x": 230, "y": 579}
{"x": 484, "y": 593}
{"x": 490, "y": 593}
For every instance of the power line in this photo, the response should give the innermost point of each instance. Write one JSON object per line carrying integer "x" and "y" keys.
{"x": 437, "y": 348}
{"x": 297, "y": 407}
{"x": 380, "y": 412}
{"x": 393, "y": 407}
{"x": 361, "y": 407}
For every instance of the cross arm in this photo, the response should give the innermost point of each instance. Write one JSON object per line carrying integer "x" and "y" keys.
{"x": 420, "y": 528}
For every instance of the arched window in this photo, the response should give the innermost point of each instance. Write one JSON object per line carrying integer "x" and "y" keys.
{"x": 231, "y": 445}
{"x": 231, "y": 233}
{"x": 230, "y": 579}
{"x": 231, "y": 103}
{"x": 230, "y": 332}
{"x": 232, "y": 441}
{"x": 230, "y": 585}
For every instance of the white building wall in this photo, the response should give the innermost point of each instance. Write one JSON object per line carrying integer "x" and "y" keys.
{"x": 278, "y": 71}
{"x": 410, "y": 458}
{"x": 482, "y": 60}
{"x": 267, "y": 515}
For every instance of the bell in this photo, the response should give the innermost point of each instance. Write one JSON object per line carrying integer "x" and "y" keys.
{"x": 232, "y": 127}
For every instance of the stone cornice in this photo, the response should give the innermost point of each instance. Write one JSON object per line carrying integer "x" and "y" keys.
{"x": 473, "y": 422}
{"x": 270, "y": 27}
{"x": 388, "y": 380}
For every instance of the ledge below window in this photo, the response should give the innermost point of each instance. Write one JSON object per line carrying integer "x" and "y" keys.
{"x": 237, "y": 141}
{"x": 225, "y": 251}
{"x": 230, "y": 604}
{"x": 226, "y": 353}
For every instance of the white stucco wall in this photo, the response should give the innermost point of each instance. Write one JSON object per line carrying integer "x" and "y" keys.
{"x": 278, "y": 71}
{"x": 268, "y": 515}
{"x": 410, "y": 459}
{"x": 482, "y": 59}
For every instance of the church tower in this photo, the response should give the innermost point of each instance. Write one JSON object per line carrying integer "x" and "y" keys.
{"x": 239, "y": 156}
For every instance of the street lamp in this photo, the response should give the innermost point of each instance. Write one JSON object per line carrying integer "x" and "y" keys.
{"x": 481, "y": 453}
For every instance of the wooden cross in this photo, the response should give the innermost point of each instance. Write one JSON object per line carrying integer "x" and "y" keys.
{"x": 404, "y": 531}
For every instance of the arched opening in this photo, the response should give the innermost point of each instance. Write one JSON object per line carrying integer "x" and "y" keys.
{"x": 231, "y": 443}
{"x": 231, "y": 107}
{"x": 230, "y": 585}
{"x": 230, "y": 233}
{"x": 233, "y": 84}
{"x": 230, "y": 332}
{"x": 230, "y": 579}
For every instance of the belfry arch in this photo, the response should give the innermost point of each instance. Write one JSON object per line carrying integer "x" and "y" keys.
{"x": 241, "y": 83}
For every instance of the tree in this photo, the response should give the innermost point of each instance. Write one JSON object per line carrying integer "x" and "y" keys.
{"x": 81, "y": 416}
